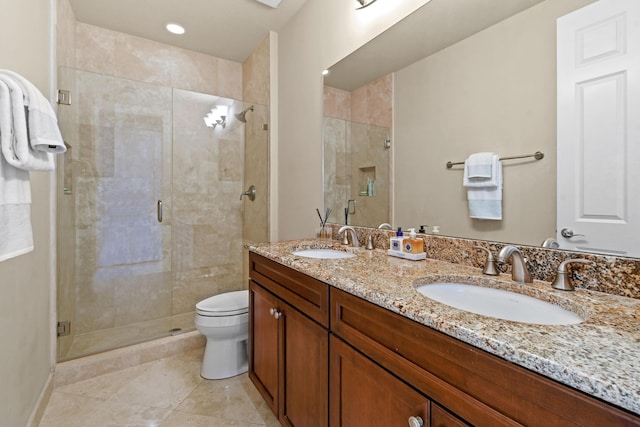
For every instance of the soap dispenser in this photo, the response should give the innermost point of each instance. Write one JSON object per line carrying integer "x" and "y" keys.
{"x": 412, "y": 244}
{"x": 395, "y": 243}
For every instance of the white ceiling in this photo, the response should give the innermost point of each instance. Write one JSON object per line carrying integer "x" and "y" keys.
{"x": 431, "y": 28}
{"x": 229, "y": 29}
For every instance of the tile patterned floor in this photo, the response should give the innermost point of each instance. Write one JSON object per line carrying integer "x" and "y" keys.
{"x": 163, "y": 393}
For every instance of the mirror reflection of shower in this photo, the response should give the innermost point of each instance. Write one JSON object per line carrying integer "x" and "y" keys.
{"x": 242, "y": 115}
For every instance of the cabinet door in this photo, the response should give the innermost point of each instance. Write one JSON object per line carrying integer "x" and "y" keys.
{"x": 263, "y": 342}
{"x": 440, "y": 417}
{"x": 305, "y": 367}
{"x": 364, "y": 394}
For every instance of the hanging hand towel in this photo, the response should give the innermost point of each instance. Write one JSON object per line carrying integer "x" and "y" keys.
{"x": 16, "y": 236}
{"x": 485, "y": 202}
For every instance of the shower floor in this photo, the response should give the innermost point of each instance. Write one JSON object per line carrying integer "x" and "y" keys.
{"x": 121, "y": 336}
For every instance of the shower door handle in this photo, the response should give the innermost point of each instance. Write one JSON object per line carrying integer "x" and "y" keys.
{"x": 159, "y": 208}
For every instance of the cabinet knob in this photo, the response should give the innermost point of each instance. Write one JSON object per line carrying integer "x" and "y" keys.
{"x": 275, "y": 313}
{"x": 415, "y": 422}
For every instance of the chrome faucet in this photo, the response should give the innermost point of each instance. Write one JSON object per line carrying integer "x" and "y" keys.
{"x": 385, "y": 226}
{"x": 519, "y": 271}
{"x": 354, "y": 236}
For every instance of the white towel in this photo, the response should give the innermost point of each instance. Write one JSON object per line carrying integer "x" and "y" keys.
{"x": 15, "y": 229}
{"x": 16, "y": 236}
{"x": 35, "y": 130}
{"x": 14, "y": 182}
{"x": 480, "y": 170}
{"x": 44, "y": 133}
{"x": 29, "y": 134}
{"x": 486, "y": 202}
{"x": 479, "y": 165}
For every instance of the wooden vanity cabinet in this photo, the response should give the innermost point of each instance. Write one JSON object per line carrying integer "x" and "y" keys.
{"x": 467, "y": 383}
{"x": 289, "y": 342}
{"x": 362, "y": 393}
{"x": 323, "y": 357}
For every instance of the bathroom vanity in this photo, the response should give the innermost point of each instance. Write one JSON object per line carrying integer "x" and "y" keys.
{"x": 351, "y": 342}
{"x": 288, "y": 342}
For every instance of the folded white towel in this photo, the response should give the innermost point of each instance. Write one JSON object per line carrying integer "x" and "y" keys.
{"x": 479, "y": 165}
{"x": 14, "y": 182}
{"x": 480, "y": 170}
{"x": 35, "y": 130}
{"x": 16, "y": 235}
{"x": 486, "y": 202}
{"x": 44, "y": 134}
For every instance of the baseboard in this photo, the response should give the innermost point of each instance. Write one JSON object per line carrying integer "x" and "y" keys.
{"x": 41, "y": 404}
{"x": 110, "y": 361}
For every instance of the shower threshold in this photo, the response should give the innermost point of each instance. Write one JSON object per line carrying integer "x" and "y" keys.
{"x": 90, "y": 343}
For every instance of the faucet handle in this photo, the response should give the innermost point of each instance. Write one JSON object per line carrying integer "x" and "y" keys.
{"x": 490, "y": 266}
{"x": 370, "y": 243}
{"x": 345, "y": 239}
{"x": 562, "y": 281}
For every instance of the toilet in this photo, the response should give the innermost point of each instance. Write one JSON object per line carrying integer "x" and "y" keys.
{"x": 224, "y": 320}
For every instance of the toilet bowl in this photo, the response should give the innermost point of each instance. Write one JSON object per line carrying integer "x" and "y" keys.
{"x": 224, "y": 320}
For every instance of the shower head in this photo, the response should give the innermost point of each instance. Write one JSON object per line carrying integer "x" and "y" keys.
{"x": 241, "y": 116}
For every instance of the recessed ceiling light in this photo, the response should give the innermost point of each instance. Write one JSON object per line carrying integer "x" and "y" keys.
{"x": 175, "y": 28}
{"x": 325, "y": 72}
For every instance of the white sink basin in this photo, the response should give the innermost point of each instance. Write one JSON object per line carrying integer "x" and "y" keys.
{"x": 323, "y": 253}
{"x": 499, "y": 303}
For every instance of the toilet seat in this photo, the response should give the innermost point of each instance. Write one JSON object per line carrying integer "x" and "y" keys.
{"x": 226, "y": 304}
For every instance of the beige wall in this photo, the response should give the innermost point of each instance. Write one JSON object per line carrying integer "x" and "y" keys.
{"x": 25, "y": 359}
{"x": 322, "y": 33}
{"x": 494, "y": 91}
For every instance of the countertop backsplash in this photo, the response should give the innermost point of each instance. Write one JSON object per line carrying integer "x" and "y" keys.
{"x": 612, "y": 275}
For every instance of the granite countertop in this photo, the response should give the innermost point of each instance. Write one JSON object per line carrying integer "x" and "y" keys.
{"x": 600, "y": 356}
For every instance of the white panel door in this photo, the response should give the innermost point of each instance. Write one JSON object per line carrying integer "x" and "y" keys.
{"x": 599, "y": 128}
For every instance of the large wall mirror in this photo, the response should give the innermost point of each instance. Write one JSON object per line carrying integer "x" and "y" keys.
{"x": 454, "y": 78}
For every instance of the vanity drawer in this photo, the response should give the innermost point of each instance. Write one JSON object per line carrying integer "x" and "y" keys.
{"x": 471, "y": 383}
{"x": 308, "y": 295}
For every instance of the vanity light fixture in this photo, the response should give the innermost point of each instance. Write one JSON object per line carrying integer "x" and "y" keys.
{"x": 175, "y": 28}
{"x": 216, "y": 117}
{"x": 365, "y": 3}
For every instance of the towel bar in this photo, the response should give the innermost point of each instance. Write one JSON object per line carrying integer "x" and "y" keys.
{"x": 538, "y": 155}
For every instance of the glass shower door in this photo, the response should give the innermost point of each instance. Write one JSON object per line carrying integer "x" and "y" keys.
{"x": 120, "y": 132}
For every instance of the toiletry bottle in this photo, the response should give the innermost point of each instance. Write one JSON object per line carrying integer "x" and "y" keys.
{"x": 396, "y": 242}
{"x": 412, "y": 244}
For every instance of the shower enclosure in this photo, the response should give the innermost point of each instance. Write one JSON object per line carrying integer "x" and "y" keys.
{"x": 149, "y": 215}
{"x": 356, "y": 168}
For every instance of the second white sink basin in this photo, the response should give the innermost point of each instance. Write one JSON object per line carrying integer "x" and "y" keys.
{"x": 323, "y": 253}
{"x": 499, "y": 303}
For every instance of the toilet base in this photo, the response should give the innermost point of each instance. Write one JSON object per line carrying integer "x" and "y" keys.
{"x": 224, "y": 359}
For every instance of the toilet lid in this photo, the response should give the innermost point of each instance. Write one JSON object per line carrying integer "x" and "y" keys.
{"x": 226, "y": 304}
